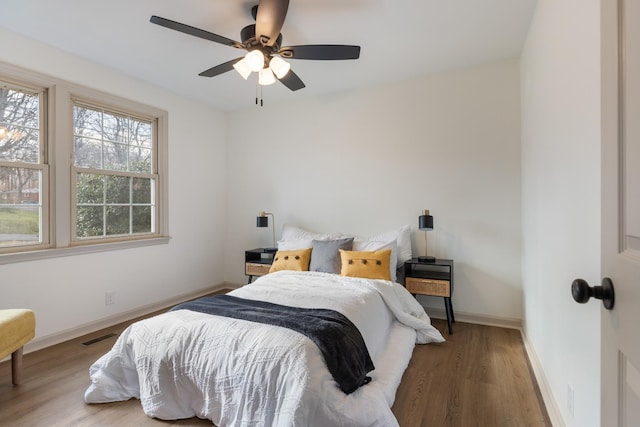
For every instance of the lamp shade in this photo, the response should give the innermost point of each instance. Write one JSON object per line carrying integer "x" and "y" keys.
{"x": 262, "y": 221}
{"x": 243, "y": 68}
{"x": 266, "y": 77}
{"x": 279, "y": 66}
{"x": 425, "y": 221}
{"x": 255, "y": 60}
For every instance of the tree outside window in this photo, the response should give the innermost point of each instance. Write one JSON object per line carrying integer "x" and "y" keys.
{"x": 115, "y": 173}
{"x": 81, "y": 170}
{"x": 21, "y": 167}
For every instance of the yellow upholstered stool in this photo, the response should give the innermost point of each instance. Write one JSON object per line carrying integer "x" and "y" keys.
{"x": 17, "y": 327}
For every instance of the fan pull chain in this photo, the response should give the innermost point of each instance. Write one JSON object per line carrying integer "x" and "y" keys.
{"x": 261, "y": 100}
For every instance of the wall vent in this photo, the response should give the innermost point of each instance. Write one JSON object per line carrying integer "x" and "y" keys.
{"x": 98, "y": 339}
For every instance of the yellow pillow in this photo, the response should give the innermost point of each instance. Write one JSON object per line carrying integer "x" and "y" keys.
{"x": 291, "y": 260}
{"x": 367, "y": 264}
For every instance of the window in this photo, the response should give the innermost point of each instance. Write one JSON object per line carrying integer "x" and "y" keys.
{"x": 23, "y": 172}
{"x": 114, "y": 173}
{"x": 80, "y": 170}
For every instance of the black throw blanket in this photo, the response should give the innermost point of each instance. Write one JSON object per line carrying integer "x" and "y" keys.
{"x": 340, "y": 342}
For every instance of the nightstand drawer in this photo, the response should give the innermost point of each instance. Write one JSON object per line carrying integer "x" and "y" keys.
{"x": 435, "y": 287}
{"x": 256, "y": 269}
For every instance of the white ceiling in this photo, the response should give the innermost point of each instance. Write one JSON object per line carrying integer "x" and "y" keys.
{"x": 400, "y": 39}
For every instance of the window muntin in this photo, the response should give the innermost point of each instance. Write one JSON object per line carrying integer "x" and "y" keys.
{"x": 23, "y": 172}
{"x": 46, "y": 157}
{"x": 115, "y": 174}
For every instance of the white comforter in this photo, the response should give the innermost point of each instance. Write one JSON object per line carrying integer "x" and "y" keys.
{"x": 182, "y": 364}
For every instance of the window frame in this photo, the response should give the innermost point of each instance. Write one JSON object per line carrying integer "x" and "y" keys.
{"x": 154, "y": 174}
{"x": 57, "y": 151}
{"x": 42, "y": 164}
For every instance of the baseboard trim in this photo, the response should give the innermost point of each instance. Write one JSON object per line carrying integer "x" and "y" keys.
{"x": 480, "y": 319}
{"x": 545, "y": 390}
{"x": 105, "y": 322}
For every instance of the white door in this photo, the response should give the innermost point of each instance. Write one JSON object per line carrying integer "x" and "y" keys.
{"x": 620, "y": 327}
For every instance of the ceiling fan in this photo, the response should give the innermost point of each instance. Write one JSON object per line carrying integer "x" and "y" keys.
{"x": 263, "y": 42}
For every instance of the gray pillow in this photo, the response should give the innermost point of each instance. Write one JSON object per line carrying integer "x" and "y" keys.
{"x": 325, "y": 255}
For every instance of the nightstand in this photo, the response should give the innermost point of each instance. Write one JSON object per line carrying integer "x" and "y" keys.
{"x": 431, "y": 278}
{"x": 257, "y": 262}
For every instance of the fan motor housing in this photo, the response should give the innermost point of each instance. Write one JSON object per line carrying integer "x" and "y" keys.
{"x": 248, "y": 37}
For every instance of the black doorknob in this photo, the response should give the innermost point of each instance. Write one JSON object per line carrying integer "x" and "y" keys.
{"x": 581, "y": 292}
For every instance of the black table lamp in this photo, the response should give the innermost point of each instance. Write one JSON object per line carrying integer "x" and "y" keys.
{"x": 263, "y": 221}
{"x": 425, "y": 223}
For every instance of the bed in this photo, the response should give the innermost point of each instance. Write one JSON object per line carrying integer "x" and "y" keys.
{"x": 235, "y": 372}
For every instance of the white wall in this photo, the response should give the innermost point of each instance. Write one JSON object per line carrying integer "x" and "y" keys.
{"x": 365, "y": 162}
{"x": 369, "y": 161}
{"x": 561, "y": 199}
{"x": 69, "y": 292}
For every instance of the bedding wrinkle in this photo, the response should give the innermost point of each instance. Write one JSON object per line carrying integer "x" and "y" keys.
{"x": 339, "y": 341}
{"x": 238, "y": 373}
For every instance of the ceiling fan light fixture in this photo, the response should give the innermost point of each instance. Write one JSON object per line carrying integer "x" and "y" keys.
{"x": 263, "y": 41}
{"x": 266, "y": 77}
{"x": 242, "y": 68}
{"x": 279, "y": 66}
{"x": 255, "y": 60}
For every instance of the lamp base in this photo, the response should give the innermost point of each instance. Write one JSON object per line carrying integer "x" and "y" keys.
{"x": 426, "y": 259}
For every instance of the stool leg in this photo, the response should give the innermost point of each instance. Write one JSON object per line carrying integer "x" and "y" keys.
{"x": 16, "y": 365}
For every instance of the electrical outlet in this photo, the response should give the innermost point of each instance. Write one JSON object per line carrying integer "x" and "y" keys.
{"x": 109, "y": 298}
{"x": 570, "y": 399}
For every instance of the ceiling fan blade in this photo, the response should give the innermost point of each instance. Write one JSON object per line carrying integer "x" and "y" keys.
{"x": 193, "y": 31}
{"x": 219, "y": 69}
{"x": 269, "y": 20}
{"x": 321, "y": 52}
{"x": 292, "y": 81}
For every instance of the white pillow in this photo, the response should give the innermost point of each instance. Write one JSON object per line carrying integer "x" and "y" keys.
{"x": 402, "y": 236}
{"x": 374, "y": 245}
{"x": 404, "y": 244}
{"x": 293, "y": 232}
{"x": 293, "y": 245}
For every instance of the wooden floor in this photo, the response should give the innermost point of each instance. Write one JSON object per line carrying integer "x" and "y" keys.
{"x": 479, "y": 377}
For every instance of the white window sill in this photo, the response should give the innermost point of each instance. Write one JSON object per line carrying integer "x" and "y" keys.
{"x": 80, "y": 250}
